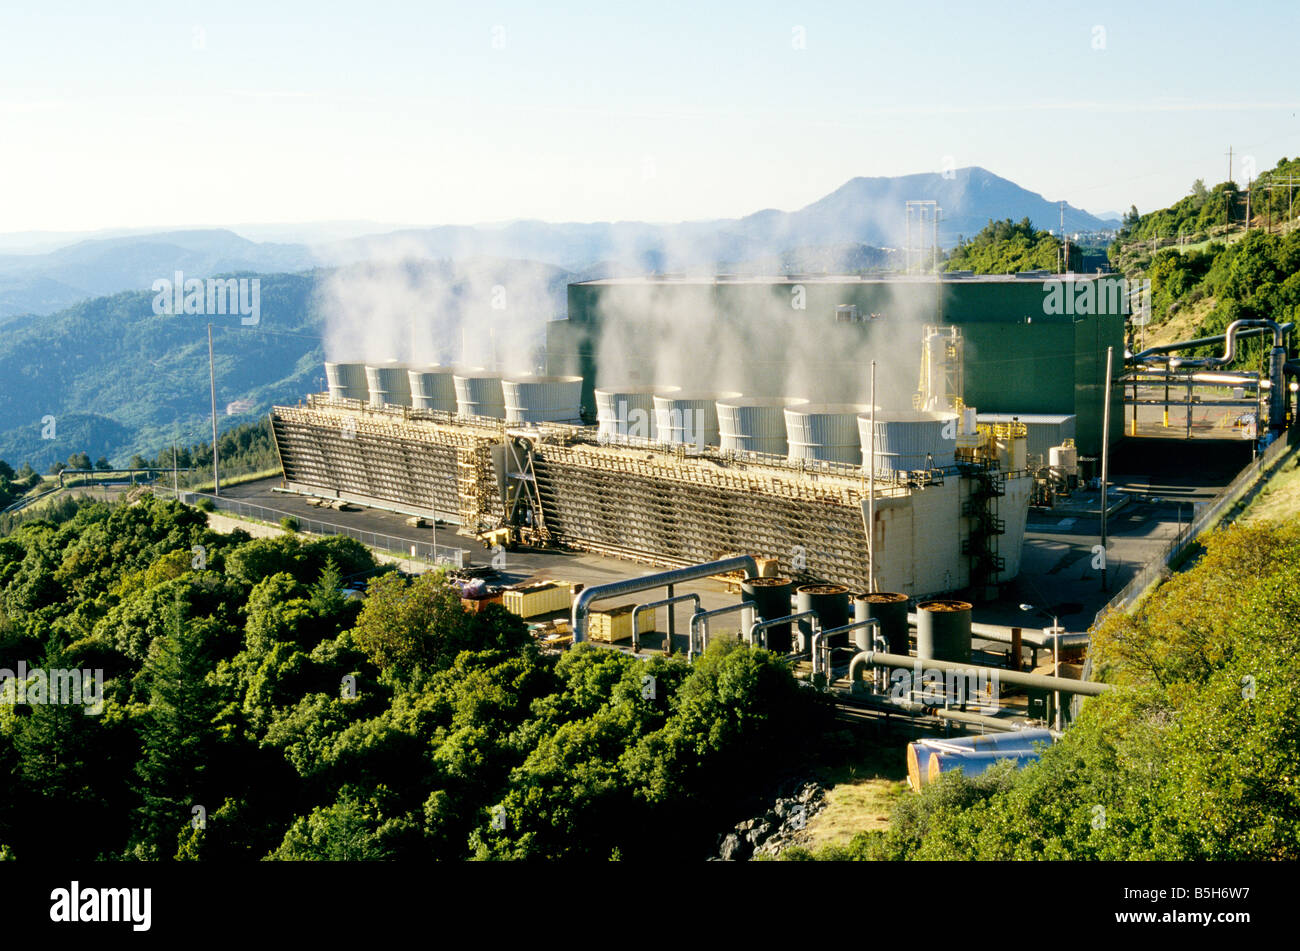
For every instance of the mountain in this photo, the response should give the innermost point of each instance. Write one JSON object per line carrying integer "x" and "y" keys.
{"x": 109, "y": 377}
{"x": 44, "y": 283}
{"x": 874, "y": 210}
{"x": 862, "y": 213}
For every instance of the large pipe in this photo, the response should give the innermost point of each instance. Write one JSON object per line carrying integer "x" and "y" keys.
{"x": 1019, "y": 739}
{"x": 617, "y": 589}
{"x": 761, "y": 627}
{"x": 983, "y": 721}
{"x": 665, "y": 603}
{"x": 700, "y": 625}
{"x": 1011, "y": 742}
{"x": 1086, "y": 688}
{"x": 972, "y": 763}
{"x": 823, "y": 637}
{"x": 1238, "y": 328}
{"x": 1030, "y": 638}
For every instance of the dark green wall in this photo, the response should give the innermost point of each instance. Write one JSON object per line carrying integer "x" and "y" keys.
{"x": 1019, "y": 357}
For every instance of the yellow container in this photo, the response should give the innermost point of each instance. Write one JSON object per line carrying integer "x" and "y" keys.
{"x": 615, "y": 625}
{"x": 543, "y": 597}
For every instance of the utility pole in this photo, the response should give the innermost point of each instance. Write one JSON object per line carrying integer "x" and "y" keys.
{"x": 1105, "y": 462}
{"x": 1248, "y": 184}
{"x": 1230, "y": 164}
{"x": 871, "y": 489}
{"x": 934, "y": 244}
{"x": 212, "y": 383}
{"x": 907, "y": 256}
{"x": 1065, "y": 243}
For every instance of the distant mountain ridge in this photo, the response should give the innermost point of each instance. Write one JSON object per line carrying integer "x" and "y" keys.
{"x": 866, "y": 212}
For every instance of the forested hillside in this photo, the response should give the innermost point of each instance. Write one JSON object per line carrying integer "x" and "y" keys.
{"x": 251, "y": 710}
{"x": 1005, "y": 247}
{"x": 1216, "y": 275}
{"x": 109, "y": 377}
{"x": 1192, "y": 759}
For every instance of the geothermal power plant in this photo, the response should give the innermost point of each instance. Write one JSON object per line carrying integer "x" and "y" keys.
{"x": 923, "y": 492}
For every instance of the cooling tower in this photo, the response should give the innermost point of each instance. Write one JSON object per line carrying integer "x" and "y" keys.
{"x": 433, "y": 387}
{"x": 911, "y": 440}
{"x": 389, "y": 384}
{"x": 627, "y": 414}
{"x": 689, "y": 418}
{"x": 754, "y": 423}
{"x": 347, "y": 381}
{"x": 543, "y": 399}
{"x": 479, "y": 393}
{"x": 825, "y": 432}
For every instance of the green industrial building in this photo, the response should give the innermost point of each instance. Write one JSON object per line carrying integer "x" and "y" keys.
{"x": 1034, "y": 344}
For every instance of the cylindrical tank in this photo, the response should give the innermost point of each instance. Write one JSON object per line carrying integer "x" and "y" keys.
{"x": 1065, "y": 460}
{"x": 890, "y": 609}
{"x": 627, "y": 413}
{"x": 831, "y": 602}
{"x": 973, "y": 763}
{"x": 754, "y": 423}
{"x": 911, "y": 440}
{"x": 688, "y": 417}
{"x": 389, "y": 383}
{"x": 771, "y": 599}
{"x": 943, "y": 630}
{"x": 826, "y": 432}
{"x": 918, "y": 764}
{"x": 347, "y": 381}
{"x": 1013, "y": 451}
{"x": 433, "y": 387}
{"x": 478, "y": 393}
{"x": 542, "y": 399}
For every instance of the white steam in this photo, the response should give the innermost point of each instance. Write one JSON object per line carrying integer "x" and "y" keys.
{"x": 485, "y": 312}
{"x": 752, "y": 337}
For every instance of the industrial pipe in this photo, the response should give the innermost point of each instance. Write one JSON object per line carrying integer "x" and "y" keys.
{"x": 666, "y": 602}
{"x": 872, "y": 622}
{"x": 972, "y": 763}
{"x": 1238, "y": 328}
{"x": 762, "y": 626}
{"x": 982, "y": 720}
{"x": 1002, "y": 634}
{"x": 1019, "y": 739}
{"x": 1086, "y": 688}
{"x": 617, "y": 589}
{"x": 700, "y": 624}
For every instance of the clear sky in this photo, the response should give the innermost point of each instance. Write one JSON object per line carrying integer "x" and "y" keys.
{"x": 130, "y": 114}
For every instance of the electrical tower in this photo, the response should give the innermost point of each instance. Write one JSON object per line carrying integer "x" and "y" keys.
{"x": 915, "y": 261}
